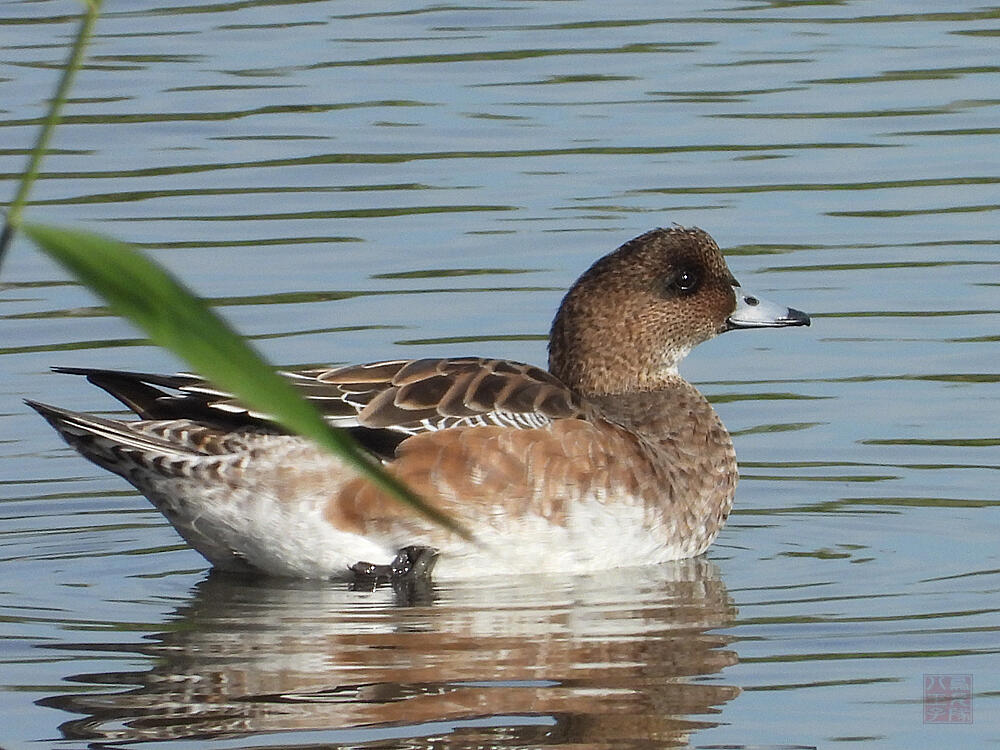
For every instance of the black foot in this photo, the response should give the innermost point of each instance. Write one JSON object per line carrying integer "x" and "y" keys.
{"x": 411, "y": 563}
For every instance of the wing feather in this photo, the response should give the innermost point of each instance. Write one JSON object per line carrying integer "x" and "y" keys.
{"x": 404, "y": 396}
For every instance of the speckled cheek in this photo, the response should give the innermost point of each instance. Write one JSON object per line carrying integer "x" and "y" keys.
{"x": 721, "y": 303}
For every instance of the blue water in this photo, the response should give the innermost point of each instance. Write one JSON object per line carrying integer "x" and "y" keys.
{"x": 352, "y": 181}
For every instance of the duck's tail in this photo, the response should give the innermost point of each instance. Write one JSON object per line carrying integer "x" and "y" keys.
{"x": 117, "y": 445}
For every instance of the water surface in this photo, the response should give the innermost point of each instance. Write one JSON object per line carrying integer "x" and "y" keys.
{"x": 349, "y": 181}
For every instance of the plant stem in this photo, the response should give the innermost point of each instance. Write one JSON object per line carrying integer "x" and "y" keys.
{"x": 93, "y": 9}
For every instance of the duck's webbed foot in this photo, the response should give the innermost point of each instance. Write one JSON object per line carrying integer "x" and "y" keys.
{"x": 411, "y": 563}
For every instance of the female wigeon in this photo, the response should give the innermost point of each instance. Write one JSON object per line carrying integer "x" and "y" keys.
{"x": 608, "y": 459}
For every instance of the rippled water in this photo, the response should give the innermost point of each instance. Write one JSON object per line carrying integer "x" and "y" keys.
{"x": 351, "y": 181}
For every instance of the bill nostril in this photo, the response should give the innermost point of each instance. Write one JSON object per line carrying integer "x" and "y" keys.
{"x": 751, "y": 300}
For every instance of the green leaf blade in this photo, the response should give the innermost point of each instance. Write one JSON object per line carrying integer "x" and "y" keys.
{"x": 176, "y": 319}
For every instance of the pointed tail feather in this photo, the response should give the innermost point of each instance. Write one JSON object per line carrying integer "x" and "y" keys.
{"x": 102, "y": 440}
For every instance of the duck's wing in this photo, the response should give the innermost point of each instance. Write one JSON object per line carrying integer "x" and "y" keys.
{"x": 402, "y": 396}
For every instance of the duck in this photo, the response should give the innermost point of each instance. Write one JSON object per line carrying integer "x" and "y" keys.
{"x": 607, "y": 459}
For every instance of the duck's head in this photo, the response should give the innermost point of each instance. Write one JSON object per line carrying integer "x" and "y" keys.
{"x": 633, "y": 316}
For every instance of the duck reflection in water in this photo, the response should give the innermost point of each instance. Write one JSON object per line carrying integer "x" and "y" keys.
{"x": 514, "y": 662}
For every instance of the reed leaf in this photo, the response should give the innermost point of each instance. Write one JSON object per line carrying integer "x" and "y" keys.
{"x": 92, "y": 9}
{"x": 173, "y": 317}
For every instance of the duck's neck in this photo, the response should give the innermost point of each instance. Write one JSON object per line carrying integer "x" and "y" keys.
{"x": 610, "y": 377}
{"x": 674, "y": 408}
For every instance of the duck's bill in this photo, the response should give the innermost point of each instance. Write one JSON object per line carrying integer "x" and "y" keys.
{"x": 753, "y": 312}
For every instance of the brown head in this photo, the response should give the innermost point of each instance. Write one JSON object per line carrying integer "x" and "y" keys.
{"x": 633, "y": 316}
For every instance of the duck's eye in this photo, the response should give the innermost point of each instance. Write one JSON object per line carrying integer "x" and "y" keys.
{"x": 685, "y": 281}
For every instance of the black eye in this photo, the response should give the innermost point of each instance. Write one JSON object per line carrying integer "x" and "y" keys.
{"x": 685, "y": 281}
